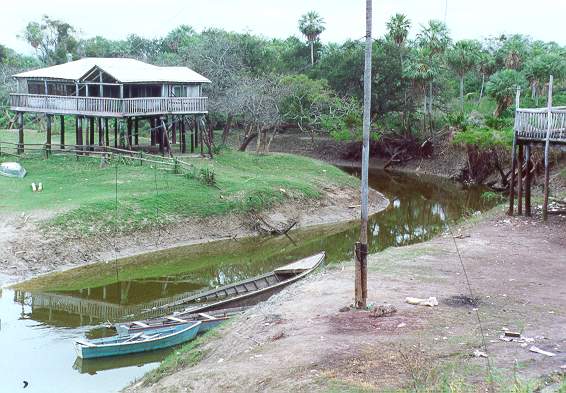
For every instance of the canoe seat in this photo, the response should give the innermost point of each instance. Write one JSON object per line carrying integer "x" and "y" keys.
{"x": 207, "y": 316}
{"x": 133, "y": 337}
{"x": 85, "y": 343}
{"x": 140, "y": 324}
{"x": 171, "y": 318}
{"x": 149, "y": 337}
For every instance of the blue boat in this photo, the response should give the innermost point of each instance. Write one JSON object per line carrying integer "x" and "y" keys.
{"x": 137, "y": 342}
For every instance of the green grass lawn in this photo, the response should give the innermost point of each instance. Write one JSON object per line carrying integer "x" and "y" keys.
{"x": 83, "y": 193}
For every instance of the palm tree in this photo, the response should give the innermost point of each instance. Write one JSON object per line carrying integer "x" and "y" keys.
{"x": 398, "y": 29}
{"x": 462, "y": 57}
{"x": 434, "y": 37}
{"x": 311, "y": 26}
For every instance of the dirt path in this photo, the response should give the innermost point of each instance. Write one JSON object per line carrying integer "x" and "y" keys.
{"x": 26, "y": 250}
{"x": 299, "y": 341}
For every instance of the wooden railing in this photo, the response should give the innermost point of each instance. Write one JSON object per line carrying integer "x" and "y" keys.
{"x": 104, "y": 106}
{"x": 533, "y": 124}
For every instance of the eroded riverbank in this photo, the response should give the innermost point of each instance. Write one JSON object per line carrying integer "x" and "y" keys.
{"x": 62, "y": 306}
{"x": 515, "y": 267}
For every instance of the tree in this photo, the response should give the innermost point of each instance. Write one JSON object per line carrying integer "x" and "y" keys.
{"x": 486, "y": 66}
{"x": 52, "y": 39}
{"x": 539, "y": 68}
{"x": 398, "y": 28}
{"x": 502, "y": 86}
{"x": 435, "y": 39}
{"x": 421, "y": 72}
{"x": 462, "y": 58}
{"x": 311, "y": 25}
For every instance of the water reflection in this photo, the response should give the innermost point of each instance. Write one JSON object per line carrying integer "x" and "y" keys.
{"x": 48, "y": 319}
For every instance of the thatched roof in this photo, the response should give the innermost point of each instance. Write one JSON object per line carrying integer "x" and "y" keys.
{"x": 122, "y": 69}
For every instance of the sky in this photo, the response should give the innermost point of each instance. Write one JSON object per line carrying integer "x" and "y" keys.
{"x": 116, "y": 19}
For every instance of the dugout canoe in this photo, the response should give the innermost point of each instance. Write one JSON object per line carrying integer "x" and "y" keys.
{"x": 137, "y": 342}
{"x": 244, "y": 293}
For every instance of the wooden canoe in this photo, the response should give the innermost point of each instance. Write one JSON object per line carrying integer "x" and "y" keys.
{"x": 244, "y": 293}
{"x": 208, "y": 321}
{"x": 138, "y": 342}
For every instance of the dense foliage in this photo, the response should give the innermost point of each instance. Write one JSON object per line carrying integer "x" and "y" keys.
{"x": 418, "y": 84}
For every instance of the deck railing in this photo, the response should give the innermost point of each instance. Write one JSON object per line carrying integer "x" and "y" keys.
{"x": 105, "y": 106}
{"x": 532, "y": 124}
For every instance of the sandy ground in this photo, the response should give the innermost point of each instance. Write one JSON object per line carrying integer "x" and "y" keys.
{"x": 300, "y": 341}
{"x": 26, "y": 251}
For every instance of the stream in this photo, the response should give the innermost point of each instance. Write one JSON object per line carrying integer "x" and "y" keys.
{"x": 37, "y": 328}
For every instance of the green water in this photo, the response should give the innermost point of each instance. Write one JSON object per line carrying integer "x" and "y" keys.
{"x": 38, "y": 327}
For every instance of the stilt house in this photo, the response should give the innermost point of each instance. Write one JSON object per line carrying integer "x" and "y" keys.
{"x": 96, "y": 90}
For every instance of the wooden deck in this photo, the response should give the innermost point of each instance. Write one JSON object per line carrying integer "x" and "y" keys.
{"x": 107, "y": 107}
{"x": 532, "y": 125}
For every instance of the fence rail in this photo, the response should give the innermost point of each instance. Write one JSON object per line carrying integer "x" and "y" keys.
{"x": 533, "y": 124}
{"x": 106, "y": 106}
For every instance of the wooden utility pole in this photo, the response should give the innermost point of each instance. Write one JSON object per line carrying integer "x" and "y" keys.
{"x": 547, "y": 150}
{"x": 362, "y": 245}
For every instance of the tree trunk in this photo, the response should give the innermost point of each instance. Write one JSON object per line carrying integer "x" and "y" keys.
{"x": 226, "y": 129}
{"x": 462, "y": 93}
{"x": 481, "y": 89}
{"x": 247, "y": 139}
{"x": 312, "y": 52}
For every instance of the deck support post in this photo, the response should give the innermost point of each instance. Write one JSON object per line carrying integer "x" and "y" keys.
{"x": 199, "y": 131}
{"x": 520, "y": 181}
{"x": 48, "y": 137}
{"x": 183, "y": 136}
{"x": 136, "y": 132}
{"x": 91, "y": 134}
{"x": 79, "y": 143}
{"x": 62, "y": 131}
{"x": 547, "y": 151}
{"x": 152, "y": 130}
{"x": 115, "y": 132}
{"x": 100, "y": 132}
{"x": 513, "y": 169}
{"x": 528, "y": 181}
{"x": 129, "y": 132}
{"x": 20, "y": 132}
{"x": 106, "y": 132}
{"x": 173, "y": 130}
{"x": 161, "y": 138}
{"x": 192, "y": 135}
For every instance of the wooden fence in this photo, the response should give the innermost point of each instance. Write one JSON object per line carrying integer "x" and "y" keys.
{"x": 106, "y": 106}
{"x": 131, "y": 157}
{"x": 533, "y": 124}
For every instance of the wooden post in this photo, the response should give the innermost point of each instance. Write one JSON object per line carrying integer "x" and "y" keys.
{"x": 183, "y": 136}
{"x": 173, "y": 130}
{"x": 195, "y": 120}
{"x": 100, "y": 132}
{"x": 20, "y": 132}
{"x": 547, "y": 150}
{"x": 107, "y": 132}
{"x": 514, "y": 155}
{"x": 136, "y": 132}
{"x": 152, "y": 131}
{"x": 362, "y": 245}
{"x": 199, "y": 132}
{"x": 528, "y": 181}
{"x": 115, "y": 132}
{"x": 520, "y": 181}
{"x": 62, "y": 130}
{"x": 91, "y": 134}
{"x": 79, "y": 133}
{"x": 192, "y": 135}
{"x": 161, "y": 138}
{"x": 48, "y": 137}
{"x": 129, "y": 131}
{"x": 513, "y": 169}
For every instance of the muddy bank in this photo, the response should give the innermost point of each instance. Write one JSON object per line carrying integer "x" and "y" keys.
{"x": 26, "y": 250}
{"x": 299, "y": 341}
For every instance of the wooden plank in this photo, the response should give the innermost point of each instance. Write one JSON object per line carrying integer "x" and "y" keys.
{"x": 301, "y": 265}
{"x": 175, "y": 319}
